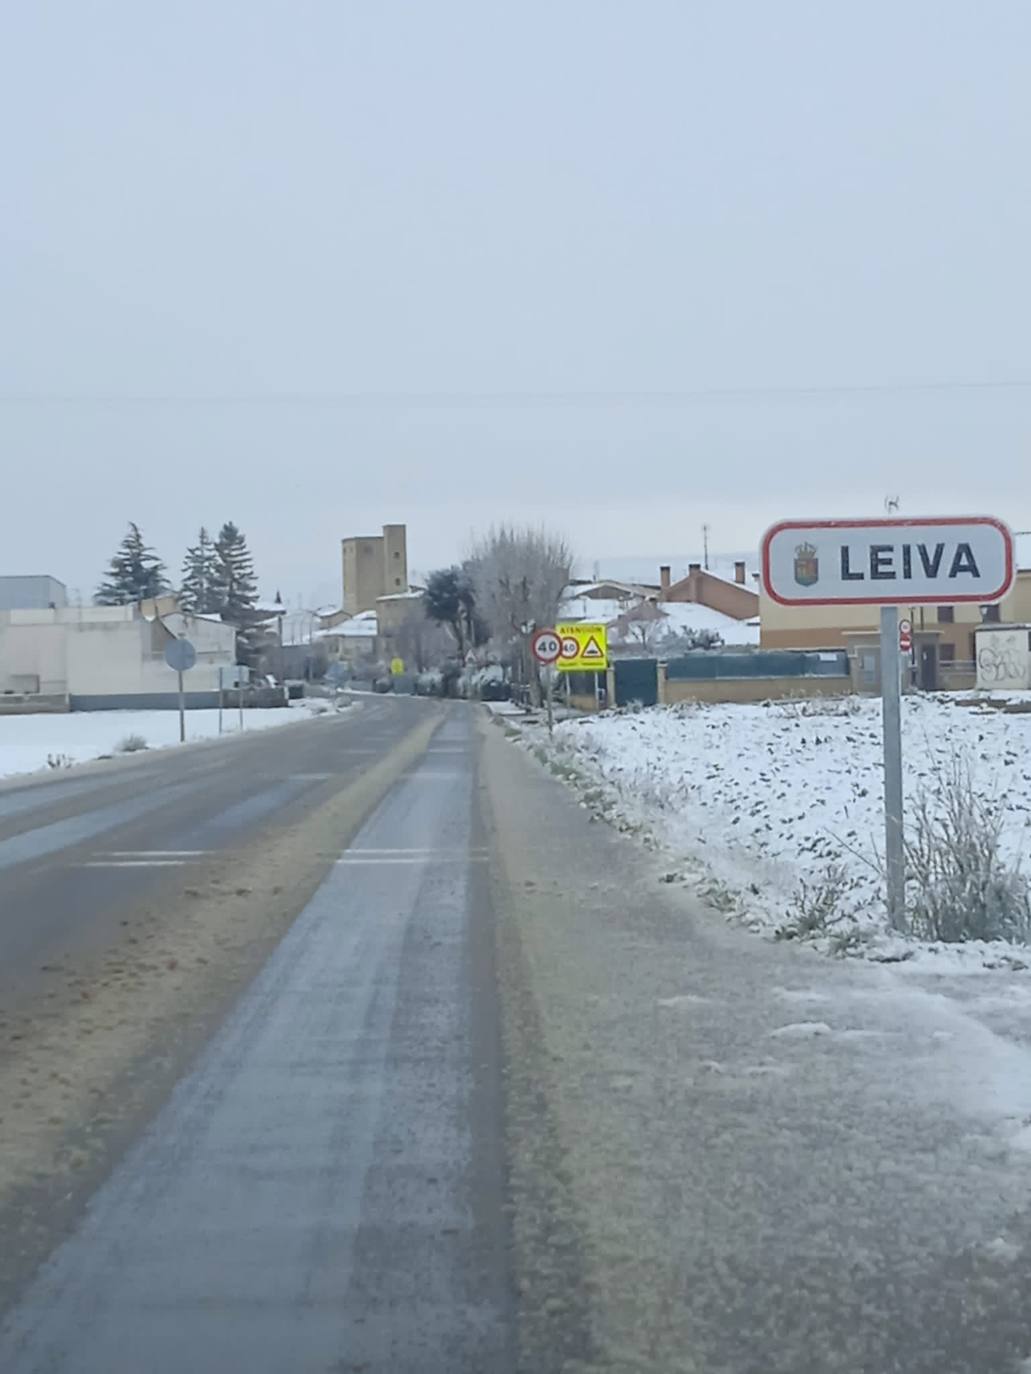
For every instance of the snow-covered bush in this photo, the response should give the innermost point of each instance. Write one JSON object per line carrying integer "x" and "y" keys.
{"x": 429, "y": 684}
{"x": 960, "y": 886}
{"x": 818, "y": 904}
{"x": 131, "y": 744}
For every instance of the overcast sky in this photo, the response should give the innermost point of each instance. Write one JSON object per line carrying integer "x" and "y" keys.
{"x": 626, "y": 267}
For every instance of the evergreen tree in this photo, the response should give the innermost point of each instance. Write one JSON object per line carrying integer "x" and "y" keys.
{"x": 134, "y": 573}
{"x": 237, "y": 592}
{"x": 450, "y": 600}
{"x": 200, "y": 591}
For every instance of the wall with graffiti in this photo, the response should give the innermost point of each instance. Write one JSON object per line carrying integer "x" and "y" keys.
{"x": 1004, "y": 659}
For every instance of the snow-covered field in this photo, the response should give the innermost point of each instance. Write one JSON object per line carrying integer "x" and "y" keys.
{"x": 752, "y": 801}
{"x": 31, "y": 743}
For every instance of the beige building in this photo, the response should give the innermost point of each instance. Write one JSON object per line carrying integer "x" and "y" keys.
{"x": 395, "y": 610}
{"x": 352, "y": 639}
{"x": 374, "y": 565}
{"x": 943, "y": 636}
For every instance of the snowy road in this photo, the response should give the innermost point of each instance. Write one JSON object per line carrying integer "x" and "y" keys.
{"x": 438, "y": 1075}
{"x": 323, "y": 1191}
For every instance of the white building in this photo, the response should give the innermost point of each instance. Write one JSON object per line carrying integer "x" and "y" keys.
{"x": 1003, "y": 658}
{"x": 31, "y": 592}
{"x": 110, "y": 657}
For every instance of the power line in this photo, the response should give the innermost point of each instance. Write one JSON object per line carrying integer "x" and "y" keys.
{"x": 358, "y": 399}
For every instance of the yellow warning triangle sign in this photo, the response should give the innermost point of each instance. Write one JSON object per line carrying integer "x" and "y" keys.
{"x": 592, "y": 649}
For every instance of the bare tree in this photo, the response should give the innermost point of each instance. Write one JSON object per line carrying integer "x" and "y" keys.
{"x": 420, "y": 641}
{"x": 643, "y": 625}
{"x": 519, "y": 575}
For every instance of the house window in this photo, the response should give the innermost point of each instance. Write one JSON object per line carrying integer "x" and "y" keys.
{"x": 991, "y": 615}
{"x": 947, "y": 652}
{"x": 946, "y": 615}
{"x": 397, "y": 582}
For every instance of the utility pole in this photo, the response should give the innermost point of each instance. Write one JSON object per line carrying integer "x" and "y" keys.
{"x": 705, "y": 547}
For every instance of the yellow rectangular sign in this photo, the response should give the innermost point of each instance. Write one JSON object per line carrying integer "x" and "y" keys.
{"x": 585, "y": 648}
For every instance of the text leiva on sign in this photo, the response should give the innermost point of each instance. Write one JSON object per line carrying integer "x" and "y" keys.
{"x": 887, "y": 562}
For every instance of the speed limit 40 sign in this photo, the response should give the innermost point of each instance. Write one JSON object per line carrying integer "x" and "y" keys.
{"x": 546, "y": 646}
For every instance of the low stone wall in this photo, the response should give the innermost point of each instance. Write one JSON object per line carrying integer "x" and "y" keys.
{"x": 584, "y": 701}
{"x": 31, "y": 704}
{"x": 745, "y": 689}
{"x": 957, "y": 679}
{"x": 264, "y": 697}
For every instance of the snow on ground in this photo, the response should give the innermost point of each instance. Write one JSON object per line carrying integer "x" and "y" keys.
{"x": 745, "y": 802}
{"x": 26, "y": 742}
{"x": 754, "y": 800}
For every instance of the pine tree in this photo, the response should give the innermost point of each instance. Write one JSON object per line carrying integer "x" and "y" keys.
{"x": 200, "y": 591}
{"x": 134, "y": 573}
{"x": 237, "y": 591}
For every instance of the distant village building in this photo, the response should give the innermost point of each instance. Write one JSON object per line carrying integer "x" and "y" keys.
{"x": 107, "y": 657}
{"x": 374, "y": 565}
{"x": 944, "y": 637}
{"x": 703, "y": 587}
{"x": 32, "y": 593}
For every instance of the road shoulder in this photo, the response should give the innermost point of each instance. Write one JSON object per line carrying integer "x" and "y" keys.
{"x": 730, "y": 1154}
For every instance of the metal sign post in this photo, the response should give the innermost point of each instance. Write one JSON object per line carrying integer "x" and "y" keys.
{"x": 546, "y": 647}
{"x": 891, "y": 716}
{"x": 180, "y": 655}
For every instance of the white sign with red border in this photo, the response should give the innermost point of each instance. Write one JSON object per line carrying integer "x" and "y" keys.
{"x": 941, "y": 560}
{"x": 546, "y": 646}
{"x": 905, "y": 636}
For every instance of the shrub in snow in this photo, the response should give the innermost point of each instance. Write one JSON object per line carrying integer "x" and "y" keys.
{"x": 131, "y": 744}
{"x": 429, "y": 684}
{"x": 830, "y": 706}
{"x": 959, "y": 885}
{"x": 59, "y": 761}
{"x": 818, "y": 905}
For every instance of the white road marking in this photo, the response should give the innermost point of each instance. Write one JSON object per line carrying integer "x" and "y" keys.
{"x": 153, "y": 853}
{"x": 135, "y": 863}
{"x": 145, "y": 858}
{"x": 416, "y": 851}
{"x": 354, "y": 857}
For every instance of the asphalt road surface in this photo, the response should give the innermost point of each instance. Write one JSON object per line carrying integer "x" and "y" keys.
{"x": 323, "y": 1190}
{"x": 362, "y": 1046}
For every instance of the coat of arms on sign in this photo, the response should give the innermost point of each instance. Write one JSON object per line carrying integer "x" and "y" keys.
{"x": 807, "y": 565}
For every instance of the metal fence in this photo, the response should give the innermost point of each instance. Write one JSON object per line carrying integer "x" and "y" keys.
{"x": 761, "y": 663}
